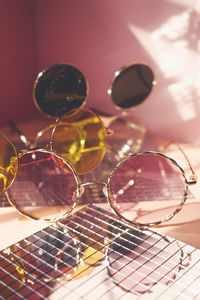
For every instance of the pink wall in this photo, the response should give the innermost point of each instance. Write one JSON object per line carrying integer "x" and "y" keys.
{"x": 99, "y": 37}
{"x": 17, "y": 58}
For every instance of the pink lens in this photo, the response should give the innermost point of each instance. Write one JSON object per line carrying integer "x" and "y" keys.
{"x": 143, "y": 186}
{"x": 43, "y": 189}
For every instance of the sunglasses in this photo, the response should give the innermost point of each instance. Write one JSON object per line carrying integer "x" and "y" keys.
{"x": 78, "y": 134}
{"x": 62, "y": 87}
{"x": 41, "y": 184}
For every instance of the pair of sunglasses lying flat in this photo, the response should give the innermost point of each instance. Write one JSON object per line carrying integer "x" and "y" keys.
{"x": 45, "y": 184}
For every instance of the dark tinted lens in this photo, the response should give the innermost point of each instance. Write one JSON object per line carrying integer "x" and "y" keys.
{"x": 132, "y": 86}
{"x": 58, "y": 89}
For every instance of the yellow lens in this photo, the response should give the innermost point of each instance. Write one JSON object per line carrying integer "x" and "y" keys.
{"x": 80, "y": 138}
{"x": 8, "y": 163}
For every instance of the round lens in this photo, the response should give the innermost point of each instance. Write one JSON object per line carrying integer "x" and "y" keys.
{"x": 131, "y": 86}
{"x": 79, "y": 137}
{"x": 58, "y": 89}
{"x": 8, "y": 163}
{"x": 44, "y": 189}
{"x": 145, "y": 183}
{"x": 137, "y": 263}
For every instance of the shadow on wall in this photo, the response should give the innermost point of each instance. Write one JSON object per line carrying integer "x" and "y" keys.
{"x": 104, "y": 36}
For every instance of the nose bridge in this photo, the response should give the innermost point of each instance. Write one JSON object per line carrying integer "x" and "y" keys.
{"x": 93, "y": 185}
{"x": 94, "y": 191}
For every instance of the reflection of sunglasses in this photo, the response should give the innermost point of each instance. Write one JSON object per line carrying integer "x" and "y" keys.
{"x": 48, "y": 187}
{"x": 138, "y": 261}
{"x": 135, "y": 260}
{"x": 50, "y": 255}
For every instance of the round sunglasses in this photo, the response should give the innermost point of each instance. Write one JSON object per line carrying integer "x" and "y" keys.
{"x": 139, "y": 188}
{"x": 62, "y": 89}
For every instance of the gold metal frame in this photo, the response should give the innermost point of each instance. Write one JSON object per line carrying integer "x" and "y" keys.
{"x": 106, "y": 188}
{"x": 34, "y": 145}
{"x": 147, "y": 225}
{"x": 106, "y": 132}
{"x": 78, "y": 190}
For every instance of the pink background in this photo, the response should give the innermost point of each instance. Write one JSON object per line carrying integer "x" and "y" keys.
{"x": 99, "y": 37}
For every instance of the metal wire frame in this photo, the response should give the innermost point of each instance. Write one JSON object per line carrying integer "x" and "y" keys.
{"x": 106, "y": 188}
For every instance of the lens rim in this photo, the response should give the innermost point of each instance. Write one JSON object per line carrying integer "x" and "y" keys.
{"x": 17, "y": 158}
{"x": 52, "y": 147}
{"x": 151, "y": 224}
{"x": 116, "y": 76}
{"x": 78, "y": 189}
{"x": 42, "y": 74}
